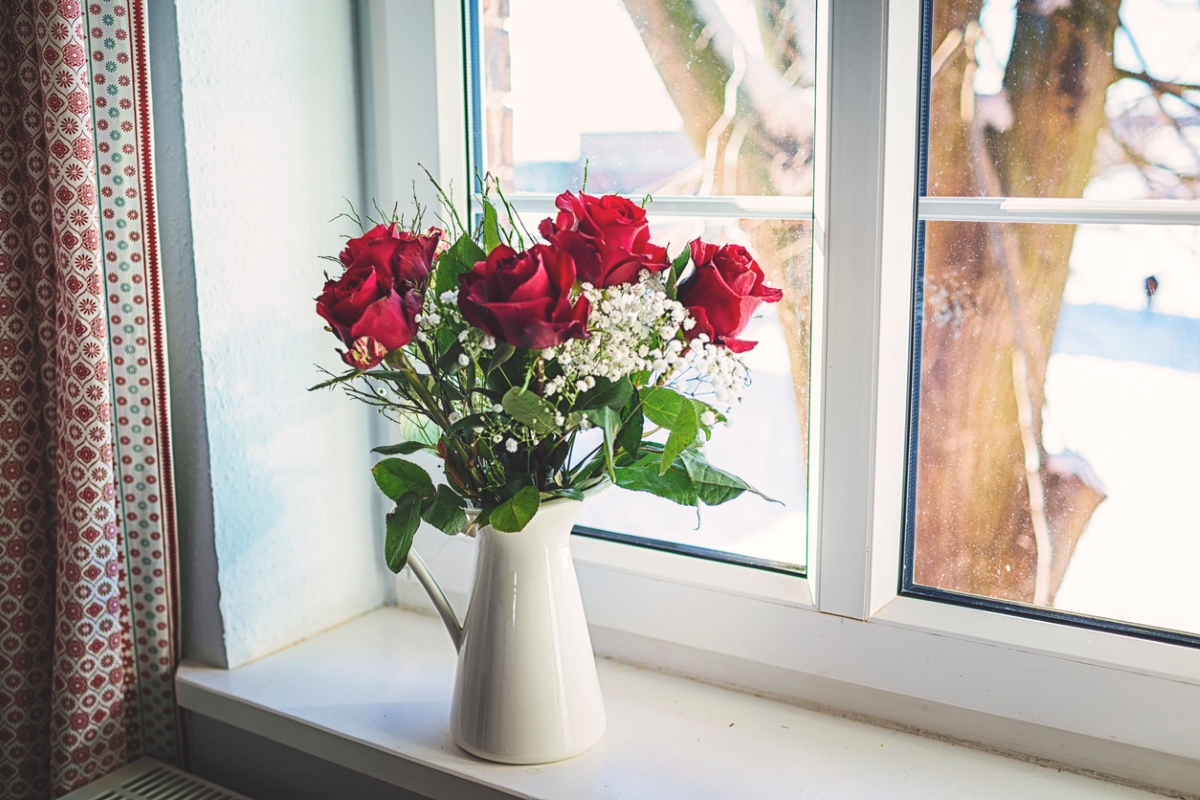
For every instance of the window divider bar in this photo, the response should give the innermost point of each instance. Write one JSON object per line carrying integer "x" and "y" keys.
{"x": 1068, "y": 210}
{"x": 740, "y": 207}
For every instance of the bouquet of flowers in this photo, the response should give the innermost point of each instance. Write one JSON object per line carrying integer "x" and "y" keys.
{"x": 539, "y": 370}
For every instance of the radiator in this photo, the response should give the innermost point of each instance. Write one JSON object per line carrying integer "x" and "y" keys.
{"x": 147, "y": 779}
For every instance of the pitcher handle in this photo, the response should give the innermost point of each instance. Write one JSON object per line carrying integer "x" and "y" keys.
{"x": 434, "y": 590}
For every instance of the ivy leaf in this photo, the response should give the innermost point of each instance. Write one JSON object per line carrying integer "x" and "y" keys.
{"x": 530, "y": 410}
{"x": 613, "y": 394}
{"x": 402, "y": 449}
{"x": 397, "y": 477}
{"x": 514, "y": 513}
{"x": 446, "y": 511}
{"x": 491, "y": 227}
{"x": 402, "y": 525}
{"x": 462, "y": 257}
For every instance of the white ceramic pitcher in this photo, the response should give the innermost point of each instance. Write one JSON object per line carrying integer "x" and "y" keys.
{"x": 526, "y": 690}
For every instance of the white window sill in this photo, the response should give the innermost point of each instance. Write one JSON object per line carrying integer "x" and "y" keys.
{"x": 373, "y": 695}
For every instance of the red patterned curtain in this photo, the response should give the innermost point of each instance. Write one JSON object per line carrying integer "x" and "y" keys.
{"x": 87, "y": 634}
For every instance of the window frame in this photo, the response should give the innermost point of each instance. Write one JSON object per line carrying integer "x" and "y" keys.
{"x": 844, "y": 636}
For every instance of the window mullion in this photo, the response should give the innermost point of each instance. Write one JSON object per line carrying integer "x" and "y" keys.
{"x": 848, "y": 363}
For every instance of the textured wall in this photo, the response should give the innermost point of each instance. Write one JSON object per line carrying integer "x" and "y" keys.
{"x": 270, "y": 122}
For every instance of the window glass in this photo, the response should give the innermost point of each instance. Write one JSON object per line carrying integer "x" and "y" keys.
{"x": 1063, "y": 99}
{"x": 1059, "y": 364}
{"x": 654, "y": 96}
{"x": 766, "y": 439}
{"x": 679, "y": 100}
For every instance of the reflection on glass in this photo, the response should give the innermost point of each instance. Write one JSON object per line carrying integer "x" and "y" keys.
{"x": 766, "y": 442}
{"x": 637, "y": 91}
{"x": 1057, "y": 432}
{"x": 1065, "y": 99}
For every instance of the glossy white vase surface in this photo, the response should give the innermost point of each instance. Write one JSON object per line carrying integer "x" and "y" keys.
{"x": 526, "y": 690}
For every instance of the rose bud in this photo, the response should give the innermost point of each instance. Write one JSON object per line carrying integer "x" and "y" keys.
{"x": 723, "y": 292}
{"x": 524, "y": 298}
{"x": 608, "y": 238}
{"x": 368, "y": 315}
{"x": 399, "y": 255}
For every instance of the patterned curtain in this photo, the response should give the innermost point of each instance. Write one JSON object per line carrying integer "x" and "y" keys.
{"x": 88, "y": 632}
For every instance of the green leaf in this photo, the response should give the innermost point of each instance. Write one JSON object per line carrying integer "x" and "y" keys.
{"x": 348, "y": 376}
{"x": 514, "y": 513}
{"x": 491, "y": 227}
{"x": 644, "y": 476}
{"x": 415, "y": 428}
{"x": 676, "y": 413}
{"x": 462, "y": 257}
{"x": 677, "y": 267}
{"x": 667, "y": 407}
{"x": 677, "y": 442}
{"x": 502, "y": 353}
{"x": 530, "y": 410}
{"x": 609, "y": 421}
{"x": 630, "y": 437}
{"x": 473, "y": 421}
{"x": 715, "y": 486}
{"x": 449, "y": 363}
{"x": 397, "y": 477}
{"x": 446, "y": 511}
{"x": 613, "y": 394}
{"x": 569, "y": 492}
{"x": 402, "y": 525}
{"x": 402, "y": 449}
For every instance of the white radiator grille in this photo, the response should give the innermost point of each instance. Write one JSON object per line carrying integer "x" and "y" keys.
{"x": 147, "y": 779}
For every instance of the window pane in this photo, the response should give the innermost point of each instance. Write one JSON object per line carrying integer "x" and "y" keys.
{"x": 765, "y": 443}
{"x": 638, "y": 92}
{"x": 1057, "y": 433}
{"x": 1062, "y": 99}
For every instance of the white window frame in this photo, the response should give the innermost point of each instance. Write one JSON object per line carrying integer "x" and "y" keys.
{"x": 843, "y": 636}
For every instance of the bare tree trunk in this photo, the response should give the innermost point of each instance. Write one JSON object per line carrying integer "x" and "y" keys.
{"x": 761, "y": 143}
{"x": 974, "y": 520}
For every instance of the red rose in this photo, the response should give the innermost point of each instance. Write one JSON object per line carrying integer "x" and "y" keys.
{"x": 524, "y": 298}
{"x": 723, "y": 292}
{"x": 370, "y": 316}
{"x": 608, "y": 238}
{"x": 399, "y": 255}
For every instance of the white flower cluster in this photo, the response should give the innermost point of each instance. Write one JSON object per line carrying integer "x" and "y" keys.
{"x": 634, "y": 329}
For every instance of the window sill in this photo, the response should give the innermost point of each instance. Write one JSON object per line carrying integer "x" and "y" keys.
{"x": 373, "y": 695}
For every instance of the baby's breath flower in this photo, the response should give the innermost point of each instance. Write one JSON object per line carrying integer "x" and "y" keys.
{"x": 511, "y": 445}
{"x": 708, "y": 418}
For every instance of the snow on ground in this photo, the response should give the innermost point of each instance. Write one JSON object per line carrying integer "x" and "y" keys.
{"x": 1139, "y": 427}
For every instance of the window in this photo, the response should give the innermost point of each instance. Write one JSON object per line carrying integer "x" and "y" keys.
{"x": 707, "y": 111}
{"x": 878, "y": 621}
{"x": 1058, "y": 318}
